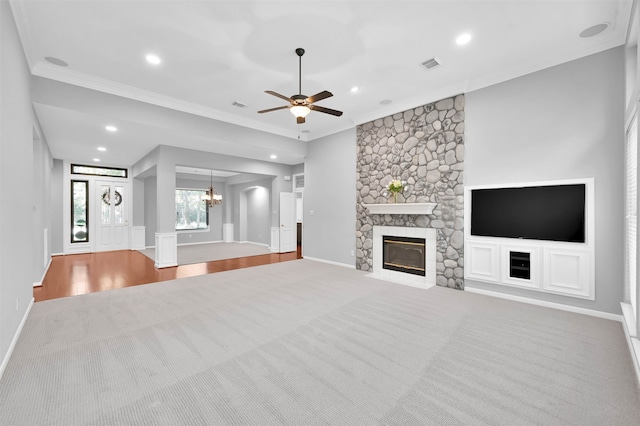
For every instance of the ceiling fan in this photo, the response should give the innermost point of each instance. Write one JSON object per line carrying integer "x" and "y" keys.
{"x": 301, "y": 105}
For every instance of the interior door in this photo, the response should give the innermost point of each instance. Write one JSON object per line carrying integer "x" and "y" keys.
{"x": 111, "y": 215}
{"x": 287, "y": 222}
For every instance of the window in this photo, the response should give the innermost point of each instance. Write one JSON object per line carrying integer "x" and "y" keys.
{"x": 79, "y": 169}
{"x": 79, "y": 211}
{"x": 191, "y": 211}
{"x": 298, "y": 182}
{"x": 631, "y": 213}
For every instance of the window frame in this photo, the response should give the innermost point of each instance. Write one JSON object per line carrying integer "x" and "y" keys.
{"x": 73, "y": 172}
{"x": 207, "y": 213}
{"x": 72, "y": 217}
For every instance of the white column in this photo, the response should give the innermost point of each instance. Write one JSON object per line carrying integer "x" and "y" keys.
{"x": 166, "y": 249}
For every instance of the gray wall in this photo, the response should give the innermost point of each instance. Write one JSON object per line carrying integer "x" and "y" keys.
{"x": 57, "y": 179}
{"x": 215, "y": 213}
{"x": 150, "y": 217}
{"x": 251, "y": 214}
{"x": 564, "y": 122}
{"x": 18, "y": 212}
{"x": 258, "y": 225}
{"x": 330, "y": 192}
{"x": 137, "y": 202}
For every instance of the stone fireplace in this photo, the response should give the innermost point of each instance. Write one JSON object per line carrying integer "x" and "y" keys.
{"x": 424, "y": 147}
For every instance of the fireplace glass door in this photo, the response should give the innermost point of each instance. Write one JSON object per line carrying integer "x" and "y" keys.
{"x": 404, "y": 254}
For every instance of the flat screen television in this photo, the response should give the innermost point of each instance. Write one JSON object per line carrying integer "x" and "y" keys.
{"x": 551, "y": 213}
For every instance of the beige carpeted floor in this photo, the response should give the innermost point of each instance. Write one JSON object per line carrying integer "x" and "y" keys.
{"x": 200, "y": 253}
{"x": 303, "y": 342}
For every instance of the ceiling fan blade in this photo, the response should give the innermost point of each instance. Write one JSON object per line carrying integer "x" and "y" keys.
{"x": 319, "y": 96}
{"x": 274, "y": 109}
{"x": 300, "y": 120}
{"x": 325, "y": 110}
{"x": 278, "y": 95}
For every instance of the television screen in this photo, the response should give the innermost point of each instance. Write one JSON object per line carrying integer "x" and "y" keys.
{"x": 552, "y": 213}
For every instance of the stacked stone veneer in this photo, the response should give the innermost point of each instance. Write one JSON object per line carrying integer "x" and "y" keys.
{"x": 424, "y": 147}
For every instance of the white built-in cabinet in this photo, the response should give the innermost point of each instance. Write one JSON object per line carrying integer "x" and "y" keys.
{"x": 560, "y": 268}
{"x": 553, "y": 267}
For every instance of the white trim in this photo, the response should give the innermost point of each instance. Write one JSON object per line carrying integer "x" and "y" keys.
{"x": 344, "y": 265}
{"x": 44, "y": 274}
{"x": 200, "y": 242}
{"x": 430, "y": 258}
{"x": 559, "y": 306}
{"x": 57, "y": 254}
{"x": 194, "y": 231}
{"x": 633, "y": 343}
{"x": 166, "y": 254}
{"x": 401, "y": 208}
{"x": 14, "y": 341}
{"x": 253, "y": 242}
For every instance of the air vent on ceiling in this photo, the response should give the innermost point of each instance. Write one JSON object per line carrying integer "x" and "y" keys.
{"x": 239, "y": 104}
{"x": 430, "y": 63}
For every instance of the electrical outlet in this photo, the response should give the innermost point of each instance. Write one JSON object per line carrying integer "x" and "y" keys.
{"x": 353, "y": 253}
{"x": 17, "y": 304}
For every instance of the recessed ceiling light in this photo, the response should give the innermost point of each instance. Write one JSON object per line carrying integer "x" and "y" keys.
{"x": 153, "y": 59}
{"x": 97, "y": 160}
{"x": 463, "y": 39}
{"x": 111, "y": 128}
{"x": 594, "y": 30}
{"x": 354, "y": 89}
{"x": 102, "y": 148}
{"x": 56, "y": 61}
{"x": 273, "y": 156}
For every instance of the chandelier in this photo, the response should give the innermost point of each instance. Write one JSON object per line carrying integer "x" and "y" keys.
{"x": 211, "y": 198}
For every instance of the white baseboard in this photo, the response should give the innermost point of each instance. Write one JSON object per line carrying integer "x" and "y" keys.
{"x": 199, "y": 243}
{"x": 57, "y": 254}
{"x": 44, "y": 274}
{"x": 574, "y": 309}
{"x": 344, "y": 265}
{"x": 12, "y": 346}
{"x": 253, "y": 242}
{"x": 630, "y": 333}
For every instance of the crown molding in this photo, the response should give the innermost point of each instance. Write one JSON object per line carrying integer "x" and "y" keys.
{"x": 21, "y": 20}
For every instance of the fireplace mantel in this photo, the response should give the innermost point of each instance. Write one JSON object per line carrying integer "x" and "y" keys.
{"x": 401, "y": 208}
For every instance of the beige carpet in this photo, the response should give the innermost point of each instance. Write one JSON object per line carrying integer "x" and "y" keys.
{"x": 303, "y": 342}
{"x": 200, "y": 253}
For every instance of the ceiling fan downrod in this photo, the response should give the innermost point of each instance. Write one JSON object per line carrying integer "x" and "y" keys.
{"x": 300, "y": 52}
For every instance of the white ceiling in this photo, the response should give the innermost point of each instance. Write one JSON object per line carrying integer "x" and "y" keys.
{"x": 217, "y": 52}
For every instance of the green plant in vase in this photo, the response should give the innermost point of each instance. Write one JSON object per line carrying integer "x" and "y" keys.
{"x": 396, "y": 186}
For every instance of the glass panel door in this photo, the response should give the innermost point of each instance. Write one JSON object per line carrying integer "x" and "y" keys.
{"x": 79, "y": 211}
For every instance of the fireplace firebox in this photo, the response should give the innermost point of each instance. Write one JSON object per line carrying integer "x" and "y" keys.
{"x": 404, "y": 254}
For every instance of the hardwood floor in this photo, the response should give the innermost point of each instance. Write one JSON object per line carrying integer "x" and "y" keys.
{"x": 76, "y": 274}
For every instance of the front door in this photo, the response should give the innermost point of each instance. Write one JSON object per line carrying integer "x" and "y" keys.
{"x": 111, "y": 215}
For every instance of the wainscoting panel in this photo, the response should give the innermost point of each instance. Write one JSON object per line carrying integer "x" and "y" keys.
{"x": 482, "y": 261}
{"x": 567, "y": 272}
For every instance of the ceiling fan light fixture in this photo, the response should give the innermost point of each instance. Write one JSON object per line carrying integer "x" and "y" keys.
{"x": 300, "y": 110}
